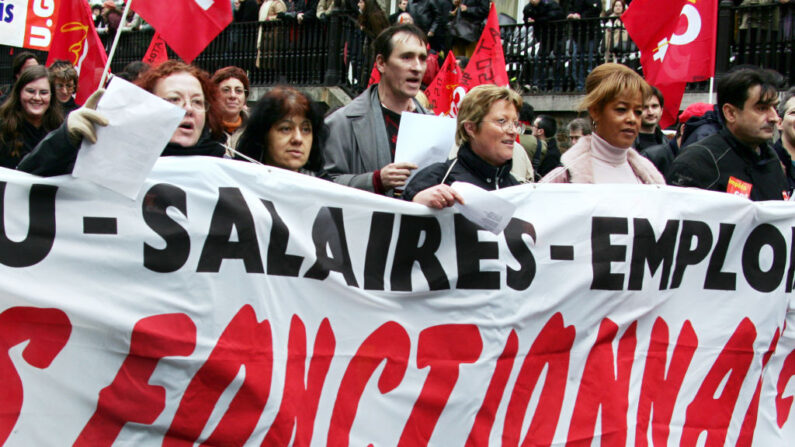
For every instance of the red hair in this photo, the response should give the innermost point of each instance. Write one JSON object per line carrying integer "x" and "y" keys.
{"x": 149, "y": 78}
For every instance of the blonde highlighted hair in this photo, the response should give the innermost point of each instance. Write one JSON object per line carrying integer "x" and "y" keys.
{"x": 476, "y": 105}
{"x": 607, "y": 81}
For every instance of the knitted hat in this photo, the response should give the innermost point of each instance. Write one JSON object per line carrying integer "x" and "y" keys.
{"x": 695, "y": 109}
{"x": 110, "y": 4}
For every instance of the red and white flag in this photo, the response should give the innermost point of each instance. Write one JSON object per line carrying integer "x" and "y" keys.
{"x": 187, "y": 25}
{"x": 75, "y": 39}
{"x": 157, "y": 53}
{"x": 677, "y": 44}
{"x": 487, "y": 64}
{"x": 440, "y": 91}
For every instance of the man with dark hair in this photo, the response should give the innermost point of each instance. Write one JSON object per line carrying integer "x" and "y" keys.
{"x": 578, "y": 128}
{"x": 360, "y": 150}
{"x": 650, "y": 133}
{"x": 534, "y": 147}
{"x": 545, "y": 127}
{"x": 738, "y": 159}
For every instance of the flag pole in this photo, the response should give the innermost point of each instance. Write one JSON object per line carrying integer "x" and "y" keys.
{"x": 115, "y": 43}
{"x": 711, "y": 89}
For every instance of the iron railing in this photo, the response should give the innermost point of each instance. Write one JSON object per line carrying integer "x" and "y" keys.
{"x": 552, "y": 58}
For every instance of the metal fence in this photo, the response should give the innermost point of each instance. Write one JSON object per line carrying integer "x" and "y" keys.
{"x": 539, "y": 59}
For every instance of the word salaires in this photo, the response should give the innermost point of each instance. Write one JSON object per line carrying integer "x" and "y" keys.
{"x": 232, "y": 234}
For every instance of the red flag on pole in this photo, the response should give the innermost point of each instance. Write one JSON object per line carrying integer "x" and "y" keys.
{"x": 677, "y": 44}
{"x": 75, "y": 39}
{"x": 487, "y": 64}
{"x": 187, "y": 25}
{"x": 157, "y": 53}
{"x": 440, "y": 90}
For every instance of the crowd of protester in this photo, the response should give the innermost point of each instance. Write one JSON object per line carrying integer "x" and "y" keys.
{"x": 499, "y": 141}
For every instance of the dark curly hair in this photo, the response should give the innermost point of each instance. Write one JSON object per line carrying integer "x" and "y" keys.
{"x": 150, "y": 77}
{"x": 274, "y": 106}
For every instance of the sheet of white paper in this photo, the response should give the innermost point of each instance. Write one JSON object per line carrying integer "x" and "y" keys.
{"x": 483, "y": 208}
{"x": 424, "y": 139}
{"x": 141, "y": 124}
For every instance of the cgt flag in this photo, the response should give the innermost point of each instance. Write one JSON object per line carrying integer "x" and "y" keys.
{"x": 157, "y": 53}
{"x": 487, "y": 64}
{"x": 676, "y": 42}
{"x": 440, "y": 91}
{"x": 187, "y": 25}
{"x": 75, "y": 39}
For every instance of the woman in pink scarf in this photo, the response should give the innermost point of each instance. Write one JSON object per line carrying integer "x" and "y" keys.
{"x": 614, "y": 100}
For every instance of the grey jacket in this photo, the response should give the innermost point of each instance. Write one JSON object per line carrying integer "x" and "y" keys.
{"x": 357, "y": 143}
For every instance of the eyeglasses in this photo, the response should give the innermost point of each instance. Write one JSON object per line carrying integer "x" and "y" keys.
{"x": 195, "y": 103}
{"x": 510, "y": 126}
{"x": 236, "y": 91}
{"x": 70, "y": 86}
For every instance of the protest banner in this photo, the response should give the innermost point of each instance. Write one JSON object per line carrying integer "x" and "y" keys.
{"x": 235, "y": 304}
{"x": 28, "y": 23}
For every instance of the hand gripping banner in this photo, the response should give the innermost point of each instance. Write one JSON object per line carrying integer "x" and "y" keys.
{"x": 232, "y": 304}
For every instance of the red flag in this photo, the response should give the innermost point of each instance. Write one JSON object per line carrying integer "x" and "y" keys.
{"x": 157, "y": 53}
{"x": 673, "y": 94}
{"x": 75, "y": 39}
{"x": 487, "y": 64}
{"x": 440, "y": 90}
{"x": 375, "y": 75}
{"x": 676, "y": 42}
{"x": 187, "y": 25}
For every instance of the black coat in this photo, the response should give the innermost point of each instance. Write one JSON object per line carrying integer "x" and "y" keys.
{"x": 709, "y": 163}
{"x": 662, "y": 155}
{"x": 542, "y": 13}
{"x": 644, "y": 141}
{"x": 699, "y": 127}
{"x": 420, "y": 12}
{"x": 30, "y": 136}
{"x": 248, "y": 12}
{"x": 56, "y": 155}
{"x": 468, "y": 167}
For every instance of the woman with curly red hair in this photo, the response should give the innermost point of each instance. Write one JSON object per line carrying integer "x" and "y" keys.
{"x": 186, "y": 86}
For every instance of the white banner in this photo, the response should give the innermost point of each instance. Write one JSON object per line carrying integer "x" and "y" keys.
{"x": 28, "y": 23}
{"x": 232, "y": 304}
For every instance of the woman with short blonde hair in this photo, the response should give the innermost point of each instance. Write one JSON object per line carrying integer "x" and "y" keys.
{"x": 487, "y": 127}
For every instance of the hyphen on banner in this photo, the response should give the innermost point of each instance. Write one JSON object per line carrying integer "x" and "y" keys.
{"x": 141, "y": 124}
{"x": 28, "y": 23}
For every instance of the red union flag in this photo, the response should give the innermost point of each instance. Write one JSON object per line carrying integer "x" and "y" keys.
{"x": 676, "y": 42}
{"x": 75, "y": 39}
{"x": 440, "y": 91}
{"x": 157, "y": 53}
{"x": 487, "y": 64}
{"x": 188, "y": 26}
